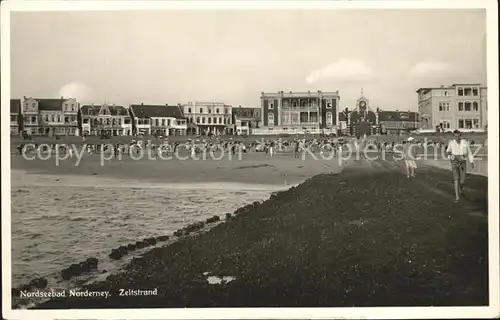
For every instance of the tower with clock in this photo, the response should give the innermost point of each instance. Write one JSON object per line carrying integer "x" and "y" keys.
{"x": 363, "y": 119}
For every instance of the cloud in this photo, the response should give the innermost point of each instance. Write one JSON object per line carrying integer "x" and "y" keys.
{"x": 342, "y": 70}
{"x": 76, "y": 90}
{"x": 432, "y": 69}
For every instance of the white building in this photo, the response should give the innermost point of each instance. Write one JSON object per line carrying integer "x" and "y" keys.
{"x": 208, "y": 117}
{"x": 459, "y": 106}
{"x": 164, "y": 120}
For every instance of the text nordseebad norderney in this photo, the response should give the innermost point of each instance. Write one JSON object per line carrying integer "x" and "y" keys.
{"x": 86, "y": 293}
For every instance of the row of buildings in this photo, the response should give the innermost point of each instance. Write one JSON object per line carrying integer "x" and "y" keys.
{"x": 320, "y": 112}
{"x": 444, "y": 108}
{"x": 52, "y": 117}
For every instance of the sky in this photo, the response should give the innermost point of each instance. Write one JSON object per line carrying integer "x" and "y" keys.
{"x": 158, "y": 57}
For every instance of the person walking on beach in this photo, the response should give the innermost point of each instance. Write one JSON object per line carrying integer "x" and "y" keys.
{"x": 458, "y": 152}
{"x": 296, "y": 150}
{"x": 409, "y": 156}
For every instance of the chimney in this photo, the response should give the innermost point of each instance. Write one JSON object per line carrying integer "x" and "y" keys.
{"x": 24, "y": 97}
{"x": 142, "y": 104}
{"x": 62, "y": 98}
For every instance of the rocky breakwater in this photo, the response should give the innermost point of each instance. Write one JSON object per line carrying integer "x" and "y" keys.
{"x": 361, "y": 238}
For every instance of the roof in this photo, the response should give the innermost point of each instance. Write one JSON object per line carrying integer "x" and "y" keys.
{"x": 50, "y": 104}
{"x": 15, "y": 105}
{"x": 159, "y": 111}
{"x": 90, "y": 110}
{"x": 355, "y": 116}
{"x": 94, "y": 110}
{"x": 451, "y": 86}
{"x": 246, "y": 112}
{"x": 398, "y": 116}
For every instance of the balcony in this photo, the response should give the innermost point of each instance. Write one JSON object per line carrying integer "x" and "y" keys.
{"x": 302, "y": 108}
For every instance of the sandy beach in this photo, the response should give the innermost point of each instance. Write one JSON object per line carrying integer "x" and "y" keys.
{"x": 253, "y": 168}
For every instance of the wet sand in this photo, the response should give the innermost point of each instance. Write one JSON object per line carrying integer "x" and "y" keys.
{"x": 253, "y": 168}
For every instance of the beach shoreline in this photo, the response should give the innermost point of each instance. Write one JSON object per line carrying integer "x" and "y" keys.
{"x": 253, "y": 247}
{"x": 242, "y": 177}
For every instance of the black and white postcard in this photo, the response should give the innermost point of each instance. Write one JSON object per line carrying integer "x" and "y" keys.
{"x": 250, "y": 159}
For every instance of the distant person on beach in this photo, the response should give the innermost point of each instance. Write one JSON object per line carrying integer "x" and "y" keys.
{"x": 458, "y": 152}
{"x": 409, "y": 156}
{"x": 296, "y": 150}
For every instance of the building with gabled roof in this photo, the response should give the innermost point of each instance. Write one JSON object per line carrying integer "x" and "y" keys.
{"x": 246, "y": 119}
{"x": 50, "y": 117}
{"x": 158, "y": 120}
{"x": 112, "y": 120}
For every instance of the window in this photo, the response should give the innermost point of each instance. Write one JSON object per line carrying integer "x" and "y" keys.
{"x": 163, "y": 122}
{"x": 72, "y": 107}
{"x": 294, "y": 104}
{"x": 445, "y": 124}
{"x": 329, "y": 118}
{"x": 270, "y": 119}
{"x": 209, "y": 110}
{"x": 33, "y": 105}
{"x": 467, "y": 106}
{"x": 460, "y": 106}
{"x": 460, "y": 91}
{"x": 467, "y": 92}
{"x": 271, "y": 106}
{"x": 445, "y": 93}
{"x": 461, "y": 124}
{"x": 475, "y": 92}
{"x": 197, "y": 119}
{"x": 220, "y": 120}
{"x": 189, "y": 110}
{"x": 119, "y": 122}
{"x": 33, "y": 119}
{"x": 217, "y": 110}
{"x": 444, "y": 106}
{"x": 225, "y": 121}
{"x": 476, "y": 123}
{"x": 203, "y": 120}
{"x": 209, "y": 120}
{"x": 468, "y": 123}
{"x": 328, "y": 105}
{"x": 66, "y": 119}
{"x": 475, "y": 106}
{"x": 201, "y": 110}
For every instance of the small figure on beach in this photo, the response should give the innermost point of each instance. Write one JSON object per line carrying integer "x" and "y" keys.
{"x": 409, "y": 156}
{"x": 458, "y": 152}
